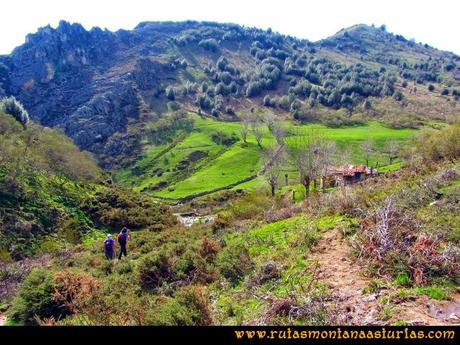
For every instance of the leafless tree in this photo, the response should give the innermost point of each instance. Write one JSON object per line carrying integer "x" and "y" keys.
{"x": 244, "y": 129}
{"x": 269, "y": 118}
{"x": 274, "y": 159}
{"x": 257, "y": 130}
{"x": 392, "y": 149}
{"x": 326, "y": 154}
{"x": 368, "y": 147}
{"x": 279, "y": 131}
{"x": 311, "y": 154}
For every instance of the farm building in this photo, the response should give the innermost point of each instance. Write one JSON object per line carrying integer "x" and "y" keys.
{"x": 347, "y": 174}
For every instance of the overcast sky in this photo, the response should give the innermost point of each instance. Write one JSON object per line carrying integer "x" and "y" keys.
{"x": 427, "y": 21}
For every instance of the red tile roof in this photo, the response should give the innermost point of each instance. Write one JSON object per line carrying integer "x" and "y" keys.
{"x": 346, "y": 170}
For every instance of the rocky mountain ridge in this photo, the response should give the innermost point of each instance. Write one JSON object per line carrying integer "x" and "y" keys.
{"x": 96, "y": 84}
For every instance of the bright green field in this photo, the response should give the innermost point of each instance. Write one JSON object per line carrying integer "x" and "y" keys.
{"x": 225, "y": 165}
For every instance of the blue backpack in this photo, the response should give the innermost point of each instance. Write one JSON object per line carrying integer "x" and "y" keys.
{"x": 108, "y": 245}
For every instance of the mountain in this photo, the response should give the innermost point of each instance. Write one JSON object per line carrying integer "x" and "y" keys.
{"x": 103, "y": 88}
{"x": 237, "y": 129}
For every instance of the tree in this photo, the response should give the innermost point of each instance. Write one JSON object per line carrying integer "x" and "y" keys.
{"x": 210, "y": 44}
{"x": 269, "y": 118}
{"x": 257, "y": 130}
{"x": 244, "y": 129}
{"x": 279, "y": 132}
{"x": 11, "y": 106}
{"x": 311, "y": 154}
{"x": 170, "y": 94}
{"x": 273, "y": 165}
{"x": 368, "y": 147}
{"x": 391, "y": 149}
{"x": 367, "y": 105}
{"x": 398, "y": 96}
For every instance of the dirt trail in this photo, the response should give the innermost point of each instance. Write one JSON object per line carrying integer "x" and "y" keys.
{"x": 343, "y": 276}
{"x": 2, "y": 319}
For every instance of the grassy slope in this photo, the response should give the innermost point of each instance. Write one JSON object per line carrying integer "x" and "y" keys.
{"x": 224, "y": 166}
{"x": 288, "y": 243}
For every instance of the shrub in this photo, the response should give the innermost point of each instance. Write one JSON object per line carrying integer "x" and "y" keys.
{"x": 154, "y": 270}
{"x": 222, "y": 138}
{"x": 170, "y": 93}
{"x": 210, "y": 44}
{"x": 234, "y": 262}
{"x": 436, "y": 145}
{"x": 124, "y": 267}
{"x": 14, "y": 108}
{"x": 390, "y": 239}
{"x": 431, "y": 88}
{"x": 398, "y": 96}
{"x": 189, "y": 307}
{"x": 116, "y": 207}
{"x": 209, "y": 249}
{"x": 74, "y": 290}
{"x": 35, "y": 299}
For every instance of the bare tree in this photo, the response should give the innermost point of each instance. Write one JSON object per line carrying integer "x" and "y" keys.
{"x": 269, "y": 118}
{"x": 308, "y": 154}
{"x": 368, "y": 147}
{"x": 279, "y": 131}
{"x": 244, "y": 129}
{"x": 257, "y": 130}
{"x": 326, "y": 151}
{"x": 392, "y": 149}
{"x": 274, "y": 159}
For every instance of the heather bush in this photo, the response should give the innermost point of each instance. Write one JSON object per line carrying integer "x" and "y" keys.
{"x": 189, "y": 307}
{"x": 234, "y": 262}
{"x": 35, "y": 299}
{"x": 154, "y": 270}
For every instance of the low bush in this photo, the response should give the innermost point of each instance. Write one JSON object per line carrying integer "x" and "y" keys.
{"x": 35, "y": 299}
{"x": 234, "y": 262}
{"x": 115, "y": 207}
{"x": 154, "y": 270}
{"x": 189, "y": 307}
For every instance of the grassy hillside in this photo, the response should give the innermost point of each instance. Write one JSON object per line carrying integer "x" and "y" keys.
{"x": 270, "y": 261}
{"x": 53, "y": 196}
{"x": 159, "y": 171}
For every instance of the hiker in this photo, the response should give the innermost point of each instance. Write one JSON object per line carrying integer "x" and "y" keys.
{"x": 122, "y": 239}
{"x": 109, "y": 247}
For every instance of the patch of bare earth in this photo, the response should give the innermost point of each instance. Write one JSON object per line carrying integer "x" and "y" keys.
{"x": 343, "y": 276}
{"x": 2, "y": 319}
{"x": 425, "y": 311}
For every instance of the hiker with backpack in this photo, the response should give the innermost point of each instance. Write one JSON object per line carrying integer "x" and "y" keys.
{"x": 109, "y": 247}
{"x": 122, "y": 239}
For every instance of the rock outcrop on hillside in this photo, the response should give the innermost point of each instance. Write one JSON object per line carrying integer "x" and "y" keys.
{"x": 94, "y": 84}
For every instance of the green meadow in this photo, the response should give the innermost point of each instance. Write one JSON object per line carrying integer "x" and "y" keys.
{"x": 223, "y": 165}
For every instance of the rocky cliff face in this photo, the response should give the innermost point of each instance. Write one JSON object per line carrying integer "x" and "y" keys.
{"x": 59, "y": 74}
{"x": 86, "y": 82}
